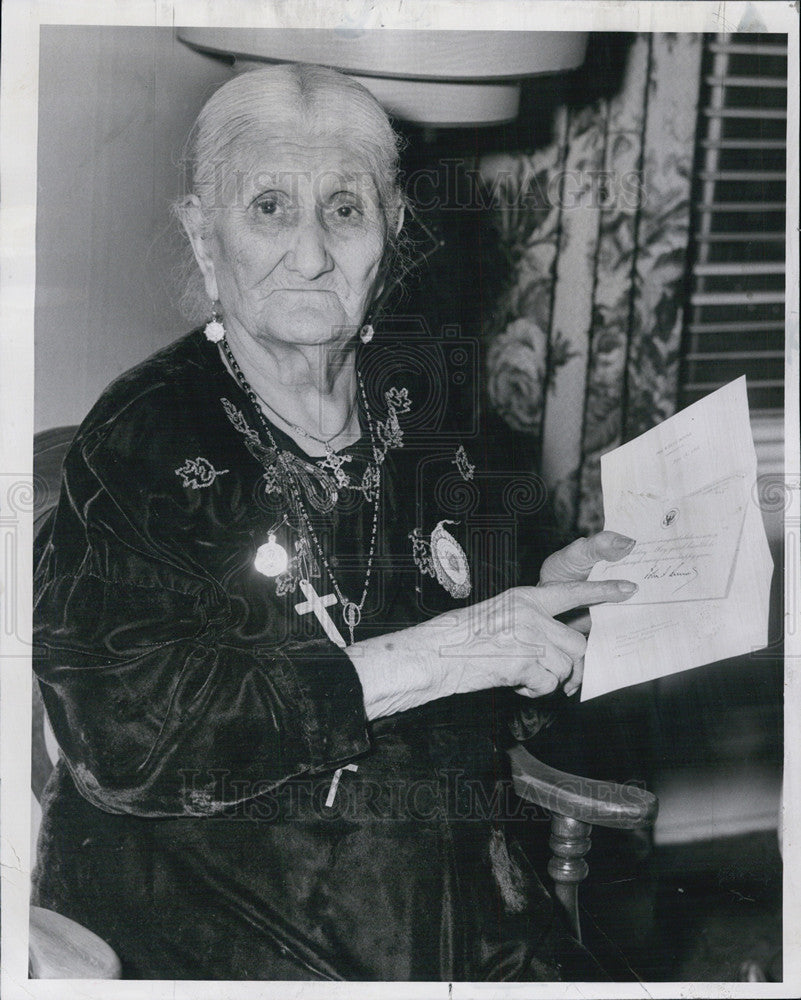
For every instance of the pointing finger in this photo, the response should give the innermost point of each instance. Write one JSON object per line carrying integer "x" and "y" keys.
{"x": 556, "y": 598}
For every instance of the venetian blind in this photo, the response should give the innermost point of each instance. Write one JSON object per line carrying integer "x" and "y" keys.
{"x": 735, "y": 319}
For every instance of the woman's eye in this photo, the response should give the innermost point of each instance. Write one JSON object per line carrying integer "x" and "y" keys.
{"x": 345, "y": 209}
{"x": 272, "y": 203}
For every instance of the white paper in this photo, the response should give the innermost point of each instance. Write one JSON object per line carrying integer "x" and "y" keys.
{"x": 685, "y": 490}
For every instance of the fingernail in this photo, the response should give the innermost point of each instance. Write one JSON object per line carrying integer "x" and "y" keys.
{"x": 627, "y": 588}
{"x": 624, "y": 543}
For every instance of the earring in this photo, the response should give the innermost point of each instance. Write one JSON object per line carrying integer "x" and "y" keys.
{"x": 366, "y": 333}
{"x": 215, "y": 331}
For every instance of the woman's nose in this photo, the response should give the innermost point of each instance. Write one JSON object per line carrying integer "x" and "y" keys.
{"x": 308, "y": 255}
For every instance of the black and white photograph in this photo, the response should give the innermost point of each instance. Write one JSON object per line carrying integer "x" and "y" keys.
{"x": 400, "y": 499}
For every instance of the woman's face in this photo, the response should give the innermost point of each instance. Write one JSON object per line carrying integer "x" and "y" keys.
{"x": 296, "y": 243}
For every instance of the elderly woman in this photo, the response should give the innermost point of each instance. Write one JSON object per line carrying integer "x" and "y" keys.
{"x": 275, "y": 667}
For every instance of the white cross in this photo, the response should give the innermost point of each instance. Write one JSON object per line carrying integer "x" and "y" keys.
{"x": 332, "y": 791}
{"x": 318, "y": 605}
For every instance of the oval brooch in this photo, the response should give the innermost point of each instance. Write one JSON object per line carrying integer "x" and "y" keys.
{"x": 450, "y": 562}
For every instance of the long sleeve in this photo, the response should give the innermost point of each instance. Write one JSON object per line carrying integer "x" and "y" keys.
{"x": 165, "y": 674}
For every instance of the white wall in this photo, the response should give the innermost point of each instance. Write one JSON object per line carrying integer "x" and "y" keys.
{"x": 115, "y": 106}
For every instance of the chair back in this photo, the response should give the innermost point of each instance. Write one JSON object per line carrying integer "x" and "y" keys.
{"x": 49, "y": 449}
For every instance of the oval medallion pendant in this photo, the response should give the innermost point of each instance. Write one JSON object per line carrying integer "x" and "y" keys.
{"x": 352, "y": 614}
{"x": 450, "y": 562}
{"x": 271, "y": 558}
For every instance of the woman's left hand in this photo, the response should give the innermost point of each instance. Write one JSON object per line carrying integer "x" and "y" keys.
{"x": 575, "y": 561}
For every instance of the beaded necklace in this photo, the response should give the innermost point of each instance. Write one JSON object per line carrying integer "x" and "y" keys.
{"x": 351, "y": 611}
{"x": 333, "y": 461}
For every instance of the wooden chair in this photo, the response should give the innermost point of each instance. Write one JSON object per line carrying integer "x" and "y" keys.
{"x": 576, "y": 805}
{"x": 60, "y": 948}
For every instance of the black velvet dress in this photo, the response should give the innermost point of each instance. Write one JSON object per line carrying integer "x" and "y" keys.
{"x": 198, "y": 819}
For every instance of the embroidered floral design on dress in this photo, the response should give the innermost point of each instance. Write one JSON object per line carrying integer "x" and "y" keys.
{"x": 322, "y": 480}
{"x": 398, "y": 400}
{"x": 369, "y": 483}
{"x": 265, "y": 455}
{"x": 279, "y": 473}
{"x": 389, "y": 431}
{"x": 463, "y": 463}
{"x": 271, "y": 484}
{"x": 198, "y": 473}
{"x": 421, "y": 552}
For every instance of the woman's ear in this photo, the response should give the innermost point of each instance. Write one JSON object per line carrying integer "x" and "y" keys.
{"x": 192, "y": 219}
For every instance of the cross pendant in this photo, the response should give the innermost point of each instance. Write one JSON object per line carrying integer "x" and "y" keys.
{"x": 318, "y": 605}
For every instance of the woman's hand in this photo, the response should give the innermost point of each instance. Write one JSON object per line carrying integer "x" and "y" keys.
{"x": 511, "y": 640}
{"x": 575, "y": 561}
{"x": 525, "y": 646}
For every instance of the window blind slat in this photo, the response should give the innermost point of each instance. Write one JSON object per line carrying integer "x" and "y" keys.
{"x": 740, "y": 48}
{"x": 743, "y": 144}
{"x": 742, "y": 237}
{"x": 740, "y": 268}
{"x": 753, "y": 383}
{"x": 744, "y": 81}
{"x": 761, "y": 113}
{"x": 735, "y": 298}
{"x": 734, "y": 315}
{"x": 742, "y": 206}
{"x": 742, "y": 175}
{"x": 734, "y": 355}
{"x": 744, "y": 326}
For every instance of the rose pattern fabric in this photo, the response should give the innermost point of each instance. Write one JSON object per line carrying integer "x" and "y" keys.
{"x": 517, "y": 366}
{"x": 584, "y": 342}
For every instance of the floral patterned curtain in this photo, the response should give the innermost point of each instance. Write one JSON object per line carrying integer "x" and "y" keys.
{"x": 584, "y": 350}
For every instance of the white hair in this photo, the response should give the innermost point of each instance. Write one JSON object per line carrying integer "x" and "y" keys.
{"x": 279, "y": 102}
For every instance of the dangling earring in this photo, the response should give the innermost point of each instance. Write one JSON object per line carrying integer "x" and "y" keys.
{"x": 366, "y": 333}
{"x": 215, "y": 331}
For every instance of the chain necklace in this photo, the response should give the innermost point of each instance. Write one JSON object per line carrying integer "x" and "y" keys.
{"x": 351, "y": 611}
{"x": 307, "y": 434}
{"x": 333, "y": 462}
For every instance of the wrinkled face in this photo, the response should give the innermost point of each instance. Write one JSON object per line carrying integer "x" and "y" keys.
{"x": 295, "y": 244}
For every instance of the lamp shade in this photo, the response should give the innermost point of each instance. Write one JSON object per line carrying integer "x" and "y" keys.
{"x": 430, "y": 77}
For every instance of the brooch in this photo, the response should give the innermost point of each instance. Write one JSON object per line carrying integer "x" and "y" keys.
{"x": 444, "y": 558}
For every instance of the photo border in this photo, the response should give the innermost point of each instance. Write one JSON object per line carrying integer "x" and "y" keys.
{"x": 18, "y": 120}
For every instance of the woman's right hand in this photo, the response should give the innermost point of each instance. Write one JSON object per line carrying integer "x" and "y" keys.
{"x": 511, "y": 640}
